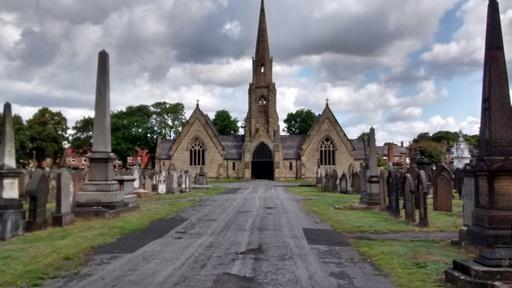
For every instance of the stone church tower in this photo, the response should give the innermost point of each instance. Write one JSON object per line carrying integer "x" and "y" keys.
{"x": 262, "y": 145}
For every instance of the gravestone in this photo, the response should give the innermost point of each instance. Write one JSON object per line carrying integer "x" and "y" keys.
{"x": 148, "y": 184}
{"x": 319, "y": 177}
{"x": 383, "y": 190}
{"x": 356, "y": 183}
{"x": 422, "y": 191}
{"x": 11, "y": 207}
{"x": 393, "y": 183}
{"x": 181, "y": 181}
{"x": 443, "y": 189}
{"x": 64, "y": 202}
{"x": 162, "y": 178}
{"x": 333, "y": 179}
{"x": 458, "y": 181}
{"x": 202, "y": 177}
{"x": 409, "y": 192}
{"x": 414, "y": 172}
{"x": 172, "y": 181}
{"x": 37, "y": 193}
{"x": 344, "y": 184}
{"x": 325, "y": 182}
{"x": 186, "y": 181}
{"x": 52, "y": 184}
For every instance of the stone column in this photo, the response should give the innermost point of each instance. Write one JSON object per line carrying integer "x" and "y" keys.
{"x": 373, "y": 172}
{"x": 101, "y": 195}
{"x": 11, "y": 207}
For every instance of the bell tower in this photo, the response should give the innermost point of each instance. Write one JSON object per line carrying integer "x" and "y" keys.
{"x": 262, "y": 121}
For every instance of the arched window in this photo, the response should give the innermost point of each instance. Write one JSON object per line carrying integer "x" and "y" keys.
{"x": 197, "y": 153}
{"x": 327, "y": 152}
{"x": 262, "y": 100}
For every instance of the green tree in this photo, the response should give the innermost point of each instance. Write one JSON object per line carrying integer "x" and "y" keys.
{"x": 168, "y": 119}
{"x": 424, "y": 146}
{"x": 46, "y": 134}
{"x": 381, "y": 162}
{"x": 446, "y": 137}
{"x": 472, "y": 139}
{"x": 81, "y": 138}
{"x": 299, "y": 122}
{"x": 225, "y": 123}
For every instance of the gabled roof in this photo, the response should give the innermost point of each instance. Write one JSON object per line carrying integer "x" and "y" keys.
{"x": 291, "y": 146}
{"x": 233, "y": 146}
{"x": 163, "y": 149}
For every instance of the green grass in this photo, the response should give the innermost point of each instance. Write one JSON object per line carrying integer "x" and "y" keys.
{"x": 412, "y": 264}
{"x": 346, "y": 219}
{"x": 34, "y": 257}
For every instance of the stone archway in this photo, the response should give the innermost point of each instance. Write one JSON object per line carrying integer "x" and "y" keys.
{"x": 262, "y": 164}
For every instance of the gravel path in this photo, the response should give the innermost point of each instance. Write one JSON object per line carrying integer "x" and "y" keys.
{"x": 253, "y": 238}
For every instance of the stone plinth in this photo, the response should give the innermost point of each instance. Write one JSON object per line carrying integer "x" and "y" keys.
{"x": 12, "y": 218}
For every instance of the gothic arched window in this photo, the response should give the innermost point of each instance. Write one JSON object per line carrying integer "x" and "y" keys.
{"x": 262, "y": 100}
{"x": 327, "y": 152}
{"x": 197, "y": 155}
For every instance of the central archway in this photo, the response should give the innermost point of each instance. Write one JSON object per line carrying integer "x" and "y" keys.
{"x": 262, "y": 165}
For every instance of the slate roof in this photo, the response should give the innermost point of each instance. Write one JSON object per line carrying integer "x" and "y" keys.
{"x": 359, "y": 146}
{"x": 233, "y": 146}
{"x": 291, "y": 146}
{"x": 163, "y": 149}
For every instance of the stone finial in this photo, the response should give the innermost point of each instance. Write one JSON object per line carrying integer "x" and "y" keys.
{"x": 101, "y": 136}
{"x": 7, "y": 148}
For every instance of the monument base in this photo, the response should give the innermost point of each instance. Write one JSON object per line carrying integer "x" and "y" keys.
{"x": 12, "y": 218}
{"x": 61, "y": 220}
{"x": 490, "y": 227}
{"x": 103, "y": 204}
{"x": 492, "y": 268}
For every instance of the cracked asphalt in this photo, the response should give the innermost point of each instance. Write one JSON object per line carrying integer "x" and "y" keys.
{"x": 253, "y": 238}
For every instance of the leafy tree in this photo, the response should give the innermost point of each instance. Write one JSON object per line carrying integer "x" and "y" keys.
{"x": 168, "y": 119}
{"x": 46, "y": 134}
{"x": 299, "y": 122}
{"x": 424, "y": 146}
{"x": 381, "y": 162}
{"x": 472, "y": 139}
{"x": 81, "y": 138}
{"x": 225, "y": 124}
{"x": 445, "y": 137}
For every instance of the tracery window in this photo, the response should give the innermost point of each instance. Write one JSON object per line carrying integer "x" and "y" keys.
{"x": 327, "y": 152}
{"x": 197, "y": 153}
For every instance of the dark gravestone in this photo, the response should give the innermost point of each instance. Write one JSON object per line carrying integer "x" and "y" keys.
{"x": 64, "y": 199}
{"x": 409, "y": 192}
{"x": 333, "y": 179}
{"x": 325, "y": 181}
{"x": 201, "y": 178}
{"x": 356, "y": 183}
{"x": 443, "y": 190}
{"x": 319, "y": 177}
{"x": 383, "y": 189}
{"x": 37, "y": 193}
{"x": 414, "y": 172}
{"x": 422, "y": 192}
{"x": 393, "y": 183}
{"x": 344, "y": 184}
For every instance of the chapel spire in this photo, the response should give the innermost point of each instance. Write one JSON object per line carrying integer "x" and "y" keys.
{"x": 262, "y": 61}
{"x": 496, "y": 117}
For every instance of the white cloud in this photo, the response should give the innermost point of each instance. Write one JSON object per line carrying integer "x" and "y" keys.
{"x": 232, "y": 29}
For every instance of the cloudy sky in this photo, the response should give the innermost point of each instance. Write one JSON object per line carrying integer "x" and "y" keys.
{"x": 403, "y": 66}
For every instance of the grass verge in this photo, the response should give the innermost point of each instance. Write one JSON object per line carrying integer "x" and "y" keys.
{"x": 30, "y": 259}
{"x": 349, "y": 220}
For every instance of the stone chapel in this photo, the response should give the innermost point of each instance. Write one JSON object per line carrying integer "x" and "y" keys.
{"x": 262, "y": 152}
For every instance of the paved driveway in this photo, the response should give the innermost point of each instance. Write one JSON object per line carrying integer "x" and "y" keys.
{"x": 257, "y": 236}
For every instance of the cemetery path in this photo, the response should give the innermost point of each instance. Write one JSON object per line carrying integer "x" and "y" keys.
{"x": 257, "y": 237}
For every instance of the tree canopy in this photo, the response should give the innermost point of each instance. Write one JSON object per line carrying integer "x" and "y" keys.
{"x": 81, "y": 138}
{"x": 225, "y": 123}
{"x": 299, "y": 122}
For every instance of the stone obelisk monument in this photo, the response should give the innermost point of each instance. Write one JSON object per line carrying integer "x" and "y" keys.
{"x": 373, "y": 172}
{"x": 101, "y": 195}
{"x": 11, "y": 207}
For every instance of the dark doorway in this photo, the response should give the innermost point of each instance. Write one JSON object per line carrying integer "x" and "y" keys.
{"x": 262, "y": 165}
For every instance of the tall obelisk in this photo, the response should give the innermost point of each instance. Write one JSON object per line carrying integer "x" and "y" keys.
{"x": 373, "y": 172}
{"x": 101, "y": 194}
{"x": 11, "y": 207}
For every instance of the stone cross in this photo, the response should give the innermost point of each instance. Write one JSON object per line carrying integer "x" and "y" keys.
{"x": 64, "y": 201}
{"x": 37, "y": 192}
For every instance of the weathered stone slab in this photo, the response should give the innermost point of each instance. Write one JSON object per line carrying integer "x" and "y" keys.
{"x": 64, "y": 202}
{"x": 37, "y": 192}
{"x": 443, "y": 189}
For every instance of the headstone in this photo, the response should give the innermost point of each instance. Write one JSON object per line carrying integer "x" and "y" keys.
{"x": 11, "y": 207}
{"x": 325, "y": 181}
{"x": 37, "y": 192}
{"x": 393, "y": 181}
{"x": 344, "y": 184}
{"x": 148, "y": 184}
{"x": 414, "y": 172}
{"x": 162, "y": 178}
{"x": 136, "y": 175}
{"x": 356, "y": 183}
{"x": 409, "y": 192}
{"x": 383, "y": 190}
{"x": 333, "y": 178}
{"x": 202, "y": 177}
{"x": 187, "y": 181}
{"x": 52, "y": 184}
{"x": 443, "y": 189}
{"x": 458, "y": 181}
{"x": 422, "y": 191}
{"x": 181, "y": 181}
{"x": 64, "y": 202}
{"x": 319, "y": 177}
{"x": 373, "y": 198}
{"x": 101, "y": 195}
{"x": 172, "y": 181}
